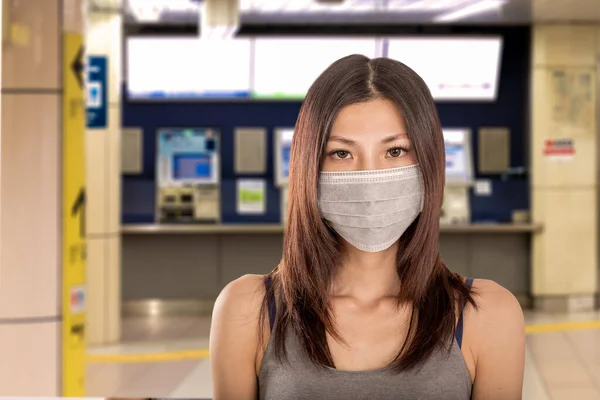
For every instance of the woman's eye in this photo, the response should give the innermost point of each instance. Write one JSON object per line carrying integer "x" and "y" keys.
{"x": 395, "y": 152}
{"x": 342, "y": 154}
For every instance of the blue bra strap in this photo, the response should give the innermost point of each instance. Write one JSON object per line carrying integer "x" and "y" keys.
{"x": 459, "y": 327}
{"x": 271, "y": 306}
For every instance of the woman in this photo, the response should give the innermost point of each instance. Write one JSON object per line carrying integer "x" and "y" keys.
{"x": 361, "y": 305}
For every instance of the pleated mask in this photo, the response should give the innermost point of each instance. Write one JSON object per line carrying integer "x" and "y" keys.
{"x": 371, "y": 210}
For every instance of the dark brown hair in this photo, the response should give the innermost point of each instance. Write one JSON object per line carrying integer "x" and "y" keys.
{"x": 302, "y": 281}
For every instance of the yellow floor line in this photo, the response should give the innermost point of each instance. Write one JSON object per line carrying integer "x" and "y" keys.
{"x": 562, "y": 326}
{"x": 199, "y": 354}
{"x": 151, "y": 357}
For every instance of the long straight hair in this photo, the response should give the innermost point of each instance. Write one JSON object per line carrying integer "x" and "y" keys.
{"x": 302, "y": 281}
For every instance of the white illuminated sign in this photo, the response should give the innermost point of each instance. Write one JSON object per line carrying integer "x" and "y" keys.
{"x": 287, "y": 67}
{"x": 188, "y": 68}
{"x": 455, "y": 69}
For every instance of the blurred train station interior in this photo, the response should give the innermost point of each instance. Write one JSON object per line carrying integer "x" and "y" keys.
{"x": 145, "y": 149}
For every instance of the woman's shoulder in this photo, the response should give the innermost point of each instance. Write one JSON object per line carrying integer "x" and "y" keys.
{"x": 497, "y": 312}
{"x": 495, "y": 341}
{"x": 233, "y": 336}
{"x": 494, "y": 299}
{"x": 236, "y": 316}
{"x": 244, "y": 295}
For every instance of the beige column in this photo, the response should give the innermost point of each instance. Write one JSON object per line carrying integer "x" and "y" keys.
{"x": 104, "y": 38}
{"x": 565, "y": 189}
{"x": 33, "y": 325}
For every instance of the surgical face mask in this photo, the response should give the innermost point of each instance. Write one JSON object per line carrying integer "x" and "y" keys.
{"x": 371, "y": 209}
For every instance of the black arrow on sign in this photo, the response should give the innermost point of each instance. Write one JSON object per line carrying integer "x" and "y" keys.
{"x": 77, "y": 66}
{"x": 79, "y": 207}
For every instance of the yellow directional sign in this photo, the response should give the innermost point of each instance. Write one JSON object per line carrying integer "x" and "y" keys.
{"x": 73, "y": 218}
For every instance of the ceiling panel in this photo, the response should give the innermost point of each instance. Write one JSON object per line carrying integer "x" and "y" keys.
{"x": 352, "y": 11}
{"x": 387, "y": 11}
{"x": 108, "y": 4}
{"x": 566, "y": 10}
{"x": 427, "y": 5}
{"x": 308, "y": 6}
{"x": 364, "y": 6}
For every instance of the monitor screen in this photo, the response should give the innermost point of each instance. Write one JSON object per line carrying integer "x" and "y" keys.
{"x": 283, "y": 148}
{"x": 186, "y": 68}
{"x": 285, "y": 160}
{"x": 285, "y": 68}
{"x": 187, "y": 155}
{"x": 455, "y": 159}
{"x": 191, "y": 166}
{"x": 458, "y": 155}
{"x": 455, "y": 69}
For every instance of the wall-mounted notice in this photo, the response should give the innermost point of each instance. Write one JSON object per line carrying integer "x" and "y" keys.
{"x": 251, "y": 196}
{"x": 132, "y": 149}
{"x": 483, "y": 187}
{"x": 572, "y": 101}
{"x": 559, "y": 149}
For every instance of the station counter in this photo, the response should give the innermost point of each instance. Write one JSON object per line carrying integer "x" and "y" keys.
{"x": 182, "y": 268}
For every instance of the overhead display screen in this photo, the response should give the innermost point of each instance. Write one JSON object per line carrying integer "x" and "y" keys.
{"x": 188, "y": 68}
{"x": 455, "y": 69}
{"x": 285, "y": 68}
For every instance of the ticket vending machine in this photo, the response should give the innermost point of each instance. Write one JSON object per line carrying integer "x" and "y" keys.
{"x": 188, "y": 176}
{"x": 283, "y": 146}
{"x": 459, "y": 176}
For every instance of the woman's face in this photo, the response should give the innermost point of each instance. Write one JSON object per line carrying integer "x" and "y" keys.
{"x": 368, "y": 136}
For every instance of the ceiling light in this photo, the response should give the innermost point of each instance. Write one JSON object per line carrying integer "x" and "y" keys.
{"x": 424, "y": 5}
{"x": 219, "y": 19}
{"x": 151, "y": 10}
{"x": 218, "y": 32}
{"x": 470, "y": 10}
{"x": 146, "y": 11}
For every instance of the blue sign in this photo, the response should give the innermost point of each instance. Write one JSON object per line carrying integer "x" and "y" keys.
{"x": 96, "y": 96}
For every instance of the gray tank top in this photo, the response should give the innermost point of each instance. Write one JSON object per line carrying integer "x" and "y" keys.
{"x": 444, "y": 376}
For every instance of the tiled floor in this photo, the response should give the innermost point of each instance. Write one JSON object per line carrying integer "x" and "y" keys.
{"x": 561, "y": 365}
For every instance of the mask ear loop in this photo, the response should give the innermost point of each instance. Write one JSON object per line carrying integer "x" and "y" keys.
{"x": 327, "y": 224}
{"x": 329, "y": 227}
{"x": 332, "y": 232}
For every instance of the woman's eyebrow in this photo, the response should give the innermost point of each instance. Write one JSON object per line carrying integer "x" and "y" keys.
{"x": 394, "y": 137}
{"x": 350, "y": 142}
{"x": 342, "y": 140}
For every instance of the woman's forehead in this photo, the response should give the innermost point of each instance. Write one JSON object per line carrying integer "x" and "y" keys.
{"x": 368, "y": 120}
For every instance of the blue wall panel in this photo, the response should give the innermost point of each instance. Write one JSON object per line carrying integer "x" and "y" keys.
{"x": 510, "y": 110}
{"x": 139, "y": 190}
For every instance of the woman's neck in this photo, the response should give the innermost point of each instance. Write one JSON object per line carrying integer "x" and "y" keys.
{"x": 367, "y": 276}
